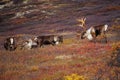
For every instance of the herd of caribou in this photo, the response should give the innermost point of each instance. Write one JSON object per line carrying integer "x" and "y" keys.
{"x": 11, "y": 42}
{"x": 90, "y": 33}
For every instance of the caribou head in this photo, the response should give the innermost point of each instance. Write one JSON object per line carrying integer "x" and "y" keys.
{"x": 10, "y": 44}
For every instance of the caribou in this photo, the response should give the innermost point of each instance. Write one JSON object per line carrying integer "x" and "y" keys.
{"x": 49, "y": 39}
{"x": 29, "y": 44}
{"x": 93, "y": 31}
{"x": 10, "y": 44}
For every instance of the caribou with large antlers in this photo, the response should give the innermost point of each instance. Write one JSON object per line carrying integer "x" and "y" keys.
{"x": 93, "y": 31}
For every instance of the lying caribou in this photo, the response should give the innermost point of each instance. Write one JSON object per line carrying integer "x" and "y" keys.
{"x": 10, "y": 44}
{"x": 49, "y": 39}
{"x": 93, "y": 31}
{"x": 29, "y": 44}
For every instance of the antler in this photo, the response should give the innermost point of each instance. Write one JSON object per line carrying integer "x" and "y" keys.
{"x": 82, "y": 22}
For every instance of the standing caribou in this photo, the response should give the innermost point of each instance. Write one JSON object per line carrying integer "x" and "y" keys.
{"x": 93, "y": 31}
